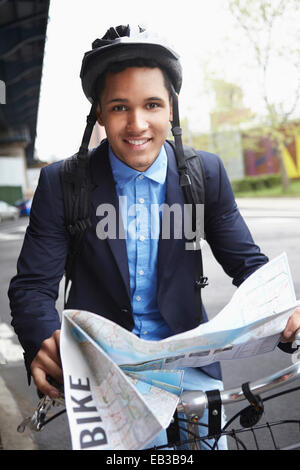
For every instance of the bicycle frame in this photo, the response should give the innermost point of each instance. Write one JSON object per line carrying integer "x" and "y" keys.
{"x": 193, "y": 403}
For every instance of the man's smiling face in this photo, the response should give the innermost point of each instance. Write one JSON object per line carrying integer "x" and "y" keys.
{"x": 135, "y": 110}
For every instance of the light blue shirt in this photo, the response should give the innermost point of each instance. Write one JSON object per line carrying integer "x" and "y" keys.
{"x": 144, "y": 189}
{"x": 140, "y": 195}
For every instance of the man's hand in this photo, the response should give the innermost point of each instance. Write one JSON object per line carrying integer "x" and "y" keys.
{"x": 292, "y": 327}
{"x": 47, "y": 362}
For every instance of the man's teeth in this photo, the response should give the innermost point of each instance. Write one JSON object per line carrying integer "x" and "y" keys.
{"x": 138, "y": 142}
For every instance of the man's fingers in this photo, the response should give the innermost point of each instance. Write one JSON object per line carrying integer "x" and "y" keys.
{"x": 292, "y": 328}
{"x": 39, "y": 377}
{"x": 56, "y": 336}
{"x": 47, "y": 363}
{"x": 51, "y": 347}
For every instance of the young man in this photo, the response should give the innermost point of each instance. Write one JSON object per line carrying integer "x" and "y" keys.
{"x": 144, "y": 283}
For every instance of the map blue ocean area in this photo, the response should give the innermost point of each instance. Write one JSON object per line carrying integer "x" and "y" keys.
{"x": 130, "y": 359}
{"x": 169, "y": 380}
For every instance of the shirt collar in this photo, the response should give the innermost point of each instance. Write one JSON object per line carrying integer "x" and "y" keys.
{"x": 124, "y": 174}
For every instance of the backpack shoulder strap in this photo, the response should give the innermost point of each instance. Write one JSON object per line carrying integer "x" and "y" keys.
{"x": 193, "y": 170}
{"x": 192, "y": 181}
{"x": 76, "y": 188}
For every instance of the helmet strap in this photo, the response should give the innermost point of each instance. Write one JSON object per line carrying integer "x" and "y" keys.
{"x": 90, "y": 122}
{"x": 179, "y": 152}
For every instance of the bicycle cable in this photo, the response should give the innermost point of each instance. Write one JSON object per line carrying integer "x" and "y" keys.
{"x": 54, "y": 416}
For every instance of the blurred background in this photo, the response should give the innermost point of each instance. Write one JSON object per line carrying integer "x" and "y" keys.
{"x": 240, "y": 99}
{"x": 240, "y": 95}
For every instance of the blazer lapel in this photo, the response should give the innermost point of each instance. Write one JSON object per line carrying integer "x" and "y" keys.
{"x": 104, "y": 192}
{"x": 169, "y": 249}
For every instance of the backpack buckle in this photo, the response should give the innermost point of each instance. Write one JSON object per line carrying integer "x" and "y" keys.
{"x": 202, "y": 282}
{"x": 79, "y": 227}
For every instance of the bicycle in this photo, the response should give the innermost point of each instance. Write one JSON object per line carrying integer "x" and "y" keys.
{"x": 194, "y": 403}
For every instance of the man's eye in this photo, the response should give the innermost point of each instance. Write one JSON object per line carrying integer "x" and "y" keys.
{"x": 119, "y": 107}
{"x": 152, "y": 105}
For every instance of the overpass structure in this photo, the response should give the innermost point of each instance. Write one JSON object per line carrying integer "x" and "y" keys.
{"x": 23, "y": 26}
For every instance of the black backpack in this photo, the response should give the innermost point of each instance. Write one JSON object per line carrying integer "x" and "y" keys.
{"x": 77, "y": 188}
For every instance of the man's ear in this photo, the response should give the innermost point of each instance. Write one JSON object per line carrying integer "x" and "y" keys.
{"x": 99, "y": 115}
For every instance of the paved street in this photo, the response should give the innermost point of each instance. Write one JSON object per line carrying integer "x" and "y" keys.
{"x": 13, "y": 373}
{"x": 275, "y": 226}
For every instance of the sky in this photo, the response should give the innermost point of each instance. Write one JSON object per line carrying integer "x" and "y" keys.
{"x": 199, "y": 30}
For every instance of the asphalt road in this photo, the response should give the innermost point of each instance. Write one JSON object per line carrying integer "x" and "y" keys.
{"x": 275, "y": 226}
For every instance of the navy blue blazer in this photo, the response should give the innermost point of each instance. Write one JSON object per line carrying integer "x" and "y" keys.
{"x": 100, "y": 282}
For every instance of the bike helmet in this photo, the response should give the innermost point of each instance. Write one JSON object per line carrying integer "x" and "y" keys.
{"x": 122, "y": 43}
{"x": 125, "y": 43}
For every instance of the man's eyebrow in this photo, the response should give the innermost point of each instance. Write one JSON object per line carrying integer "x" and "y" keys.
{"x": 154, "y": 98}
{"x": 124, "y": 100}
{"x": 117, "y": 100}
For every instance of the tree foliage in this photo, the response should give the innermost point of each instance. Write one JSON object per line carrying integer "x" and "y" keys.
{"x": 273, "y": 35}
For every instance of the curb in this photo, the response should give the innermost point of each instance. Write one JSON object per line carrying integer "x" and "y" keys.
{"x": 10, "y": 418}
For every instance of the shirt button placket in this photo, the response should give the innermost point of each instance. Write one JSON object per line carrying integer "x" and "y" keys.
{"x": 141, "y": 187}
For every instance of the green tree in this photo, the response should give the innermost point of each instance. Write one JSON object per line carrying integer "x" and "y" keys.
{"x": 261, "y": 22}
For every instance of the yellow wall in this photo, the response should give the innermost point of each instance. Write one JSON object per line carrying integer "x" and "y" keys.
{"x": 292, "y": 167}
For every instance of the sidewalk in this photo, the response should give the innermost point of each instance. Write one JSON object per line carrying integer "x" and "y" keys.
{"x": 269, "y": 207}
{"x": 10, "y": 418}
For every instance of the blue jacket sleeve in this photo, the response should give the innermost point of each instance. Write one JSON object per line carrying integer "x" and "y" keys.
{"x": 34, "y": 290}
{"x": 226, "y": 231}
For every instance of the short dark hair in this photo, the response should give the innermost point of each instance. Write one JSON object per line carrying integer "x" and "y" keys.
{"x": 118, "y": 67}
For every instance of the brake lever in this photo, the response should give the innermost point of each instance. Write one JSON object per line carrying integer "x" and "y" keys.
{"x": 37, "y": 421}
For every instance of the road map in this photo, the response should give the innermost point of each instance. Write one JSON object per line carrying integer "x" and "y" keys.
{"x": 122, "y": 390}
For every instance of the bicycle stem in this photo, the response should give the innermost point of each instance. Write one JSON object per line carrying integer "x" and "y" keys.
{"x": 194, "y": 403}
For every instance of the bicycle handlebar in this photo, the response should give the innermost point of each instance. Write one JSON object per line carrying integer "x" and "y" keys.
{"x": 194, "y": 403}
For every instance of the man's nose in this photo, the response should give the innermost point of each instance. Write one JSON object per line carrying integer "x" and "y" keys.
{"x": 137, "y": 121}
